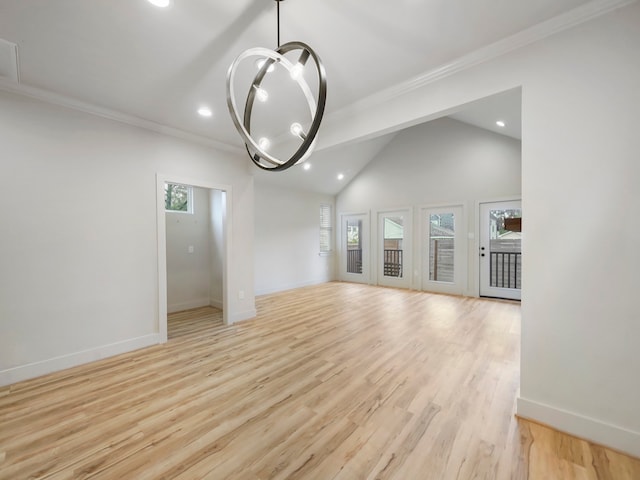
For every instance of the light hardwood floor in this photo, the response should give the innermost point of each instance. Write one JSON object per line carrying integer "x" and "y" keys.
{"x": 336, "y": 381}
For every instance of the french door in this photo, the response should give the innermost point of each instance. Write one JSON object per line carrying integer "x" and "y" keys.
{"x": 501, "y": 249}
{"x": 443, "y": 249}
{"x": 354, "y": 241}
{"x": 394, "y": 248}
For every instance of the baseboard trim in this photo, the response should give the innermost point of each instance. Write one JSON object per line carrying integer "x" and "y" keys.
{"x": 216, "y": 304}
{"x": 43, "y": 367}
{"x": 292, "y": 286}
{"x": 240, "y": 316}
{"x": 196, "y": 303}
{"x": 596, "y": 431}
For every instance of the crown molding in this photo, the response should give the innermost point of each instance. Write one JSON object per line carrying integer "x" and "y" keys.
{"x": 521, "y": 39}
{"x": 91, "y": 109}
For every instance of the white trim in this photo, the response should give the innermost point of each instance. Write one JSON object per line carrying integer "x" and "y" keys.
{"x": 161, "y": 234}
{"x": 240, "y": 316}
{"x": 216, "y": 304}
{"x": 197, "y": 303}
{"x": 613, "y": 436}
{"x": 91, "y": 109}
{"x": 291, "y": 286}
{"x": 538, "y": 32}
{"x": 43, "y": 367}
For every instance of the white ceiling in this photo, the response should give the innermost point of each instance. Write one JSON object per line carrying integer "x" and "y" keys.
{"x": 160, "y": 65}
{"x": 485, "y": 113}
{"x": 326, "y": 165}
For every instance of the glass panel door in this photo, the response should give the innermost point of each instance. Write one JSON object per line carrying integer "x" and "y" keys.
{"x": 354, "y": 245}
{"x": 443, "y": 250}
{"x": 501, "y": 249}
{"x": 394, "y": 241}
{"x": 354, "y": 260}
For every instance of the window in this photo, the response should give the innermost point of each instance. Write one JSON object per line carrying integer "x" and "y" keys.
{"x": 178, "y": 198}
{"x": 325, "y": 228}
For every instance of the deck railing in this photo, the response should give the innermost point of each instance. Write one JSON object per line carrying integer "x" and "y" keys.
{"x": 393, "y": 263}
{"x": 354, "y": 260}
{"x": 506, "y": 269}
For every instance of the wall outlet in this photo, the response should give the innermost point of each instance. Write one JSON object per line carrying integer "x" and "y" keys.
{"x": 190, "y": 249}
{"x": 241, "y": 295}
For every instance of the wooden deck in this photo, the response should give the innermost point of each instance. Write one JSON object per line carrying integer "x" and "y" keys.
{"x": 336, "y": 381}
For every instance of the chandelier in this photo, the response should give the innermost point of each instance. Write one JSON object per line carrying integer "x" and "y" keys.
{"x": 304, "y": 132}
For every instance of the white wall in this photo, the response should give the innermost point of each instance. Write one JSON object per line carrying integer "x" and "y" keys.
{"x": 287, "y": 245}
{"x": 189, "y": 273}
{"x": 79, "y": 262}
{"x": 437, "y": 163}
{"x": 580, "y": 177}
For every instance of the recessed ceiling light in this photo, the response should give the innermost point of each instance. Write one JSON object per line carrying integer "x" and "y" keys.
{"x": 340, "y": 176}
{"x": 205, "y": 112}
{"x": 160, "y": 3}
{"x": 306, "y": 166}
{"x": 500, "y": 123}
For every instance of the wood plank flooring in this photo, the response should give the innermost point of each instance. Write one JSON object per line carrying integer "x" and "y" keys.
{"x": 336, "y": 381}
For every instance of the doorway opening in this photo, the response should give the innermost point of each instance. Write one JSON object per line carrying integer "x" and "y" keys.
{"x": 193, "y": 255}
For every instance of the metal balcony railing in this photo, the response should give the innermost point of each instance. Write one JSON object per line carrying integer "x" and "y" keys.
{"x": 506, "y": 269}
{"x": 393, "y": 263}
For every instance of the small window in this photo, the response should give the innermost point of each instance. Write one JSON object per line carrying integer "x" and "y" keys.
{"x": 325, "y": 228}
{"x": 178, "y": 198}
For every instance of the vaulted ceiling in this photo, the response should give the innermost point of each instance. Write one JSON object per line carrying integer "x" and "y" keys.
{"x": 156, "y": 67}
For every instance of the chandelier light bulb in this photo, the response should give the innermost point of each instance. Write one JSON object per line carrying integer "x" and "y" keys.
{"x": 260, "y": 63}
{"x": 261, "y": 94}
{"x": 264, "y": 143}
{"x": 296, "y": 129}
{"x": 296, "y": 71}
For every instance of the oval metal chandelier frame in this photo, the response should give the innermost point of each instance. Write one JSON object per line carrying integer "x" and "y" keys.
{"x": 258, "y": 155}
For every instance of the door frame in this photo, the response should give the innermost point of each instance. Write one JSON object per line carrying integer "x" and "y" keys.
{"x": 161, "y": 234}
{"x": 462, "y": 250}
{"x": 365, "y": 277}
{"x": 510, "y": 198}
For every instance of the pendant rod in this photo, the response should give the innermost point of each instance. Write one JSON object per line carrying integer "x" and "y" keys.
{"x": 278, "y": 9}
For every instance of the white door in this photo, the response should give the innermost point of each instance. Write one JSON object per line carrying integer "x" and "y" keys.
{"x": 354, "y": 241}
{"x": 394, "y": 248}
{"x": 443, "y": 249}
{"x": 501, "y": 249}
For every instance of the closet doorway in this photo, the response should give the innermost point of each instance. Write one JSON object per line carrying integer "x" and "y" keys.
{"x": 193, "y": 231}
